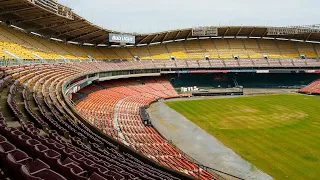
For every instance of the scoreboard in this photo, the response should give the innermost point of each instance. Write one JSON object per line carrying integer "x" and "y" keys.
{"x": 122, "y": 38}
{"x": 205, "y": 31}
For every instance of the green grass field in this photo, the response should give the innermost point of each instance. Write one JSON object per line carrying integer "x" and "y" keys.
{"x": 280, "y": 134}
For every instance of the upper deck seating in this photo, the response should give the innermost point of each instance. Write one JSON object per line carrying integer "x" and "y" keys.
{"x": 177, "y": 50}
{"x": 17, "y": 44}
{"x": 269, "y": 48}
{"x": 306, "y": 49}
{"x": 288, "y": 49}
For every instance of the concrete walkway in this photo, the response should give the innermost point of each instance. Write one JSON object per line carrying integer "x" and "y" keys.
{"x": 116, "y": 124}
{"x": 200, "y": 145}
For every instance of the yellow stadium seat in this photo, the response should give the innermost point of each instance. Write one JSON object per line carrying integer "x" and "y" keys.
{"x": 177, "y": 50}
{"x": 306, "y": 49}
{"x": 252, "y": 48}
{"x": 268, "y": 47}
{"x": 288, "y": 49}
{"x": 159, "y": 52}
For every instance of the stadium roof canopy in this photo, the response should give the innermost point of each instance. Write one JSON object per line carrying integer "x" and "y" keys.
{"x": 53, "y": 20}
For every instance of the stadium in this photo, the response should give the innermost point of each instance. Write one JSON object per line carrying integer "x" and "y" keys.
{"x": 216, "y": 102}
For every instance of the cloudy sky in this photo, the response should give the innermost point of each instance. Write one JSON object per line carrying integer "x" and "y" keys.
{"x": 145, "y": 16}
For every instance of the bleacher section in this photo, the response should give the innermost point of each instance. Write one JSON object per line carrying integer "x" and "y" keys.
{"x": 193, "y": 50}
{"x": 16, "y": 44}
{"x": 252, "y": 48}
{"x": 238, "y": 48}
{"x": 223, "y": 48}
{"x": 141, "y": 52}
{"x": 177, "y": 50}
{"x": 209, "y": 48}
{"x": 41, "y": 138}
{"x": 288, "y": 50}
{"x": 313, "y": 88}
{"x": 116, "y": 111}
{"x": 159, "y": 52}
{"x": 306, "y": 49}
{"x": 269, "y": 48}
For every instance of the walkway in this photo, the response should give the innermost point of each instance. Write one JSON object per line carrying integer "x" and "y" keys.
{"x": 116, "y": 124}
{"x": 200, "y": 145}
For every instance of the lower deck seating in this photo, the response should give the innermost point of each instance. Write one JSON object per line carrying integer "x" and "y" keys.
{"x": 313, "y": 88}
{"x": 116, "y": 111}
{"x": 40, "y": 138}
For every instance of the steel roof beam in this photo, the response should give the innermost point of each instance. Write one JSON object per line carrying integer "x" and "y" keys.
{"x": 165, "y": 36}
{"x": 188, "y": 35}
{"x": 153, "y": 38}
{"x": 143, "y": 39}
{"x": 224, "y": 34}
{"x": 84, "y": 35}
{"x": 34, "y": 19}
{"x": 7, "y": 11}
{"x": 249, "y": 35}
{"x": 61, "y": 24}
{"x": 72, "y": 30}
{"x": 238, "y": 32}
{"x": 177, "y": 35}
{"x": 95, "y": 38}
{"x": 308, "y": 37}
{"x": 265, "y": 33}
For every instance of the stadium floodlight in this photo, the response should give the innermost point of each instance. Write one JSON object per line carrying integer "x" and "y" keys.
{"x": 191, "y": 39}
{"x": 241, "y": 37}
{"x": 282, "y": 39}
{"x": 88, "y": 44}
{"x": 55, "y": 39}
{"x": 138, "y": 45}
{"x": 268, "y": 38}
{"x": 228, "y": 37}
{"x": 167, "y": 41}
{"x": 36, "y": 34}
{"x": 178, "y": 40}
{"x": 314, "y": 42}
{"x": 204, "y": 37}
{"x": 102, "y": 45}
{"x": 72, "y": 42}
{"x": 296, "y": 40}
{"x": 16, "y": 27}
{"x": 154, "y": 43}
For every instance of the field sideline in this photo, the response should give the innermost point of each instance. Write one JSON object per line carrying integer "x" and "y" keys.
{"x": 280, "y": 134}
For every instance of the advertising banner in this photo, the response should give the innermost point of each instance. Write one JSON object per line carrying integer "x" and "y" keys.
{"x": 122, "y": 38}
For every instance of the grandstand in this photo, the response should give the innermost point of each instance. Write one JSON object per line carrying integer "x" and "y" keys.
{"x": 70, "y": 98}
{"x": 43, "y": 137}
{"x": 19, "y": 45}
{"x": 312, "y": 88}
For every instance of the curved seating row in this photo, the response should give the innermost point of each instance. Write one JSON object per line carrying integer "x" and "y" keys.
{"x": 313, "y": 88}
{"x": 42, "y": 139}
{"x": 115, "y": 110}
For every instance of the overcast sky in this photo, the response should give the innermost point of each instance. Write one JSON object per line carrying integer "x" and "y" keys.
{"x": 144, "y": 16}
